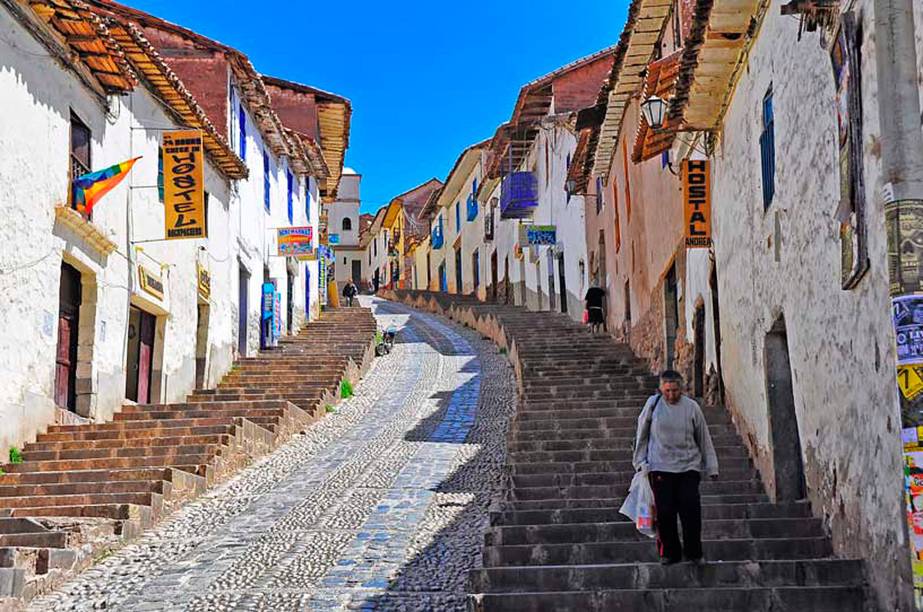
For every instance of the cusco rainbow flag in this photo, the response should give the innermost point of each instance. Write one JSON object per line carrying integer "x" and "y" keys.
{"x": 89, "y": 188}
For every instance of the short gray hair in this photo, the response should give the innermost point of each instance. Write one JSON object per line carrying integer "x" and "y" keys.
{"x": 671, "y": 376}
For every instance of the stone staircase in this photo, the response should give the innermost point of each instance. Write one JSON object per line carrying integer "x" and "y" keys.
{"x": 556, "y": 540}
{"x": 84, "y": 489}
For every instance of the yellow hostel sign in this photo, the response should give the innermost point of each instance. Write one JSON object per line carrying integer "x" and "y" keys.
{"x": 183, "y": 185}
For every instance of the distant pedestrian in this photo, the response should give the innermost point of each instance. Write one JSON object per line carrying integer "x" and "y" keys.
{"x": 596, "y": 316}
{"x": 350, "y": 291}
{"x": 673, "y": 445}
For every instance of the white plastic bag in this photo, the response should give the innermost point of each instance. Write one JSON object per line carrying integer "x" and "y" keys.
{"x": 639, "y": 505}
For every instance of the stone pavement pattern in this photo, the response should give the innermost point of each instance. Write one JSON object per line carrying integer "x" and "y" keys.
{"x": 379, "y": 507}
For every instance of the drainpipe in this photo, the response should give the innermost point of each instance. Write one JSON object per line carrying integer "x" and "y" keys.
{"x": 901, "y": 153}
{"x": 898, "y": 101}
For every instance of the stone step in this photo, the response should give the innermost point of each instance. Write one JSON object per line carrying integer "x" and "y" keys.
{"x": 624, "y": 530}
{"x": 616, "y": 502}
{"x": 610, "y": 513}
{"x": 224, "y": 429}
{"x": 120, "y": 512}
{"x": 118, "y": 452}
{"x": 154, "y": 425}
{"x": 622, "y": 469}
{"x": 615, "y": 437}
{"x": 737, "y": 453}
{"x": 129, "y": 442}
{"x": 726, "y": 445}
{"x": 47, "y": 539}
{"x": 200, "y": 412}
{"x": 165, "y": 460}
{"x": 769, "y": 599}
{"x": 764, "y": 573}
{"x": 141, "y": 498}
{"x": 521, "y": 493}
{"x": 609, "y": 479}
{"x": 84, "y": 488}
{"x": 627, "y": 424}
{"x": 646, "y": 552}
{"x": 89, "y": 476}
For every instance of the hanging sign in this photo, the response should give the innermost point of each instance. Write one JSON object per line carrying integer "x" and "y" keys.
{"x": 697, "y": 202}
{"x": 183, "y": 185}
{"x": 150, "y": 283}
{"x": 277, "y": 316}
{"x": 333, "y": 239}
{"x": 203, "y": 282}
{"x": 266, "y": 303}
{"x": 538, "y": 235}
{"x": 295, "y": 241}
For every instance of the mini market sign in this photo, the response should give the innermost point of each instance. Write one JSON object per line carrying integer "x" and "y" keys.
{"x": 295, "y": 241}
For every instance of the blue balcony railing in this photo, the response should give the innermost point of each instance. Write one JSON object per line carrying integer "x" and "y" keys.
{"x": 518, "y": 195}
{"x": 437, "y": 237}
{"x": 471, "y": 208}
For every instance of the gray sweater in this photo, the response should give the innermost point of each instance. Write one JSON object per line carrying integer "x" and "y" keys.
{"x": 675, "y": 440}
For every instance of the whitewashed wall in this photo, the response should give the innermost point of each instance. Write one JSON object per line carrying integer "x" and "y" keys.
{"x": 841, "y": 342}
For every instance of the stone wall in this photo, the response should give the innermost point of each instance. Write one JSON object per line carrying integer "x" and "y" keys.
{"x": 784, "y": 262}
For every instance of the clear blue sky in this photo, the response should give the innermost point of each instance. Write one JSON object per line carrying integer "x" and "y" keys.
{"x": 426, "y": 79}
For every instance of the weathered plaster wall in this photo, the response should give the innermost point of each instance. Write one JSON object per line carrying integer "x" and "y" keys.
{"x": 840, "y": 342}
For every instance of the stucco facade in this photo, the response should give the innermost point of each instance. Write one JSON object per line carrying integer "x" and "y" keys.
{"x": 779, "y": 268}
{"x": 195, "y": 333}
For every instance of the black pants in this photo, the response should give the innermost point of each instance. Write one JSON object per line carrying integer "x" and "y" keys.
{"x": 678, "y": 494}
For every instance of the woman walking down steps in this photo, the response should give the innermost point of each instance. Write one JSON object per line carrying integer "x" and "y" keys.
{"x": 674, "y": 447}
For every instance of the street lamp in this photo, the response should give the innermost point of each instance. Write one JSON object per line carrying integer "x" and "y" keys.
{"x": 653, "y": 110}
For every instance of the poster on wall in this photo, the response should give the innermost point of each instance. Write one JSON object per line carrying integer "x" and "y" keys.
{"x": 913, "y": 498}
{"x": 907, "y": 315}
{"x": 276, "y": 316}
{"x": 904, "y": 225}
{"x": 697, "y": 202}
{"x": 183, "y": 185}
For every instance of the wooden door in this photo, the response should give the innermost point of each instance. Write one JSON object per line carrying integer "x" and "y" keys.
{"x": 66, "y": 355}
{"x": 493, "y": 277}
{"x": 145, "y": 356}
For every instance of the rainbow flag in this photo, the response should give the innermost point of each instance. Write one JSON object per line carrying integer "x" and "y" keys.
{"x": 91, "y": 187}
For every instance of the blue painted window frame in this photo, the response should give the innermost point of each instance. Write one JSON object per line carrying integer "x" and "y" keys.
{"x": 267, "y": 202}
{"x": 768, "y": 150}
{"x": 289, "y": 185}
{"x": 242, "y": 131}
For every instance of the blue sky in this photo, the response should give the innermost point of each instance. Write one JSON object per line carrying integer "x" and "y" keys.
{"x": 426, "y": 79}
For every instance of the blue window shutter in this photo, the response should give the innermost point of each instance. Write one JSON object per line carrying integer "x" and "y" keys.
{"x": 457, "y": 218}
{"x": 768, "y": 151}
{"x": 266, "y": 183}
{"x": 242, "y": 131}
{"x": 289, "y": 194}
{"x": 307, "y": 199}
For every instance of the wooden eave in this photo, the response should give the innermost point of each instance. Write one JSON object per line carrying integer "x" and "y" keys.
{"x": 643, "y": 29}
{"x": 576, "y": 171}
{"x": 393, "y": 212}
{"x": 73, "y": 26}
{"x": 715, "y": 50}
{"x": 661, "y": 82}
{"x": 333, "y": 118}
{"x": 171, "y": 91}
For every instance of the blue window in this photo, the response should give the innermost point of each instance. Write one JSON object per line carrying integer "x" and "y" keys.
{"x": 242, "y": 131}
{"x": 472, "y": 208}
{"x": 768, "y": 151}
{"x": 457, "y": 218}
{"x": 290, "y": 195}
{"x": 266, "y": 200}
{"x": 307, "y": 199}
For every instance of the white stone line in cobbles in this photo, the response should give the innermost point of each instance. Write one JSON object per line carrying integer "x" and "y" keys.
{"x": 279, "y": 562}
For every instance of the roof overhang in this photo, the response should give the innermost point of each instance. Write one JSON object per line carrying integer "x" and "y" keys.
{"x": 635, "y": 50}
{"x": 715, "y": 51}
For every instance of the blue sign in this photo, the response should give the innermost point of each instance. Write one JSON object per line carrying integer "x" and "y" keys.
{"x": 269, "y": 291}
{"x": 333, "y": 239}
{"x": 518, "y": 195}
{"x": 539, "y": 235}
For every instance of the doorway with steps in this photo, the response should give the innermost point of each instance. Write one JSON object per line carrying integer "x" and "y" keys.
{"x": 69, "y": 302}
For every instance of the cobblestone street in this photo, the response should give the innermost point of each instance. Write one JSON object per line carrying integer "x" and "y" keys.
{"x": 380, "y": 506}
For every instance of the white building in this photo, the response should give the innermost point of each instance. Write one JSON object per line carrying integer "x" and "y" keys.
{"x": 110, "y": 311}
{"x": 343, "y": 232}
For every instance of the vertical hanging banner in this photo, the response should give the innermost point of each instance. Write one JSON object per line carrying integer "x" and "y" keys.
{"x": 183, "y": 185}
{"x": 697, "y": 202}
